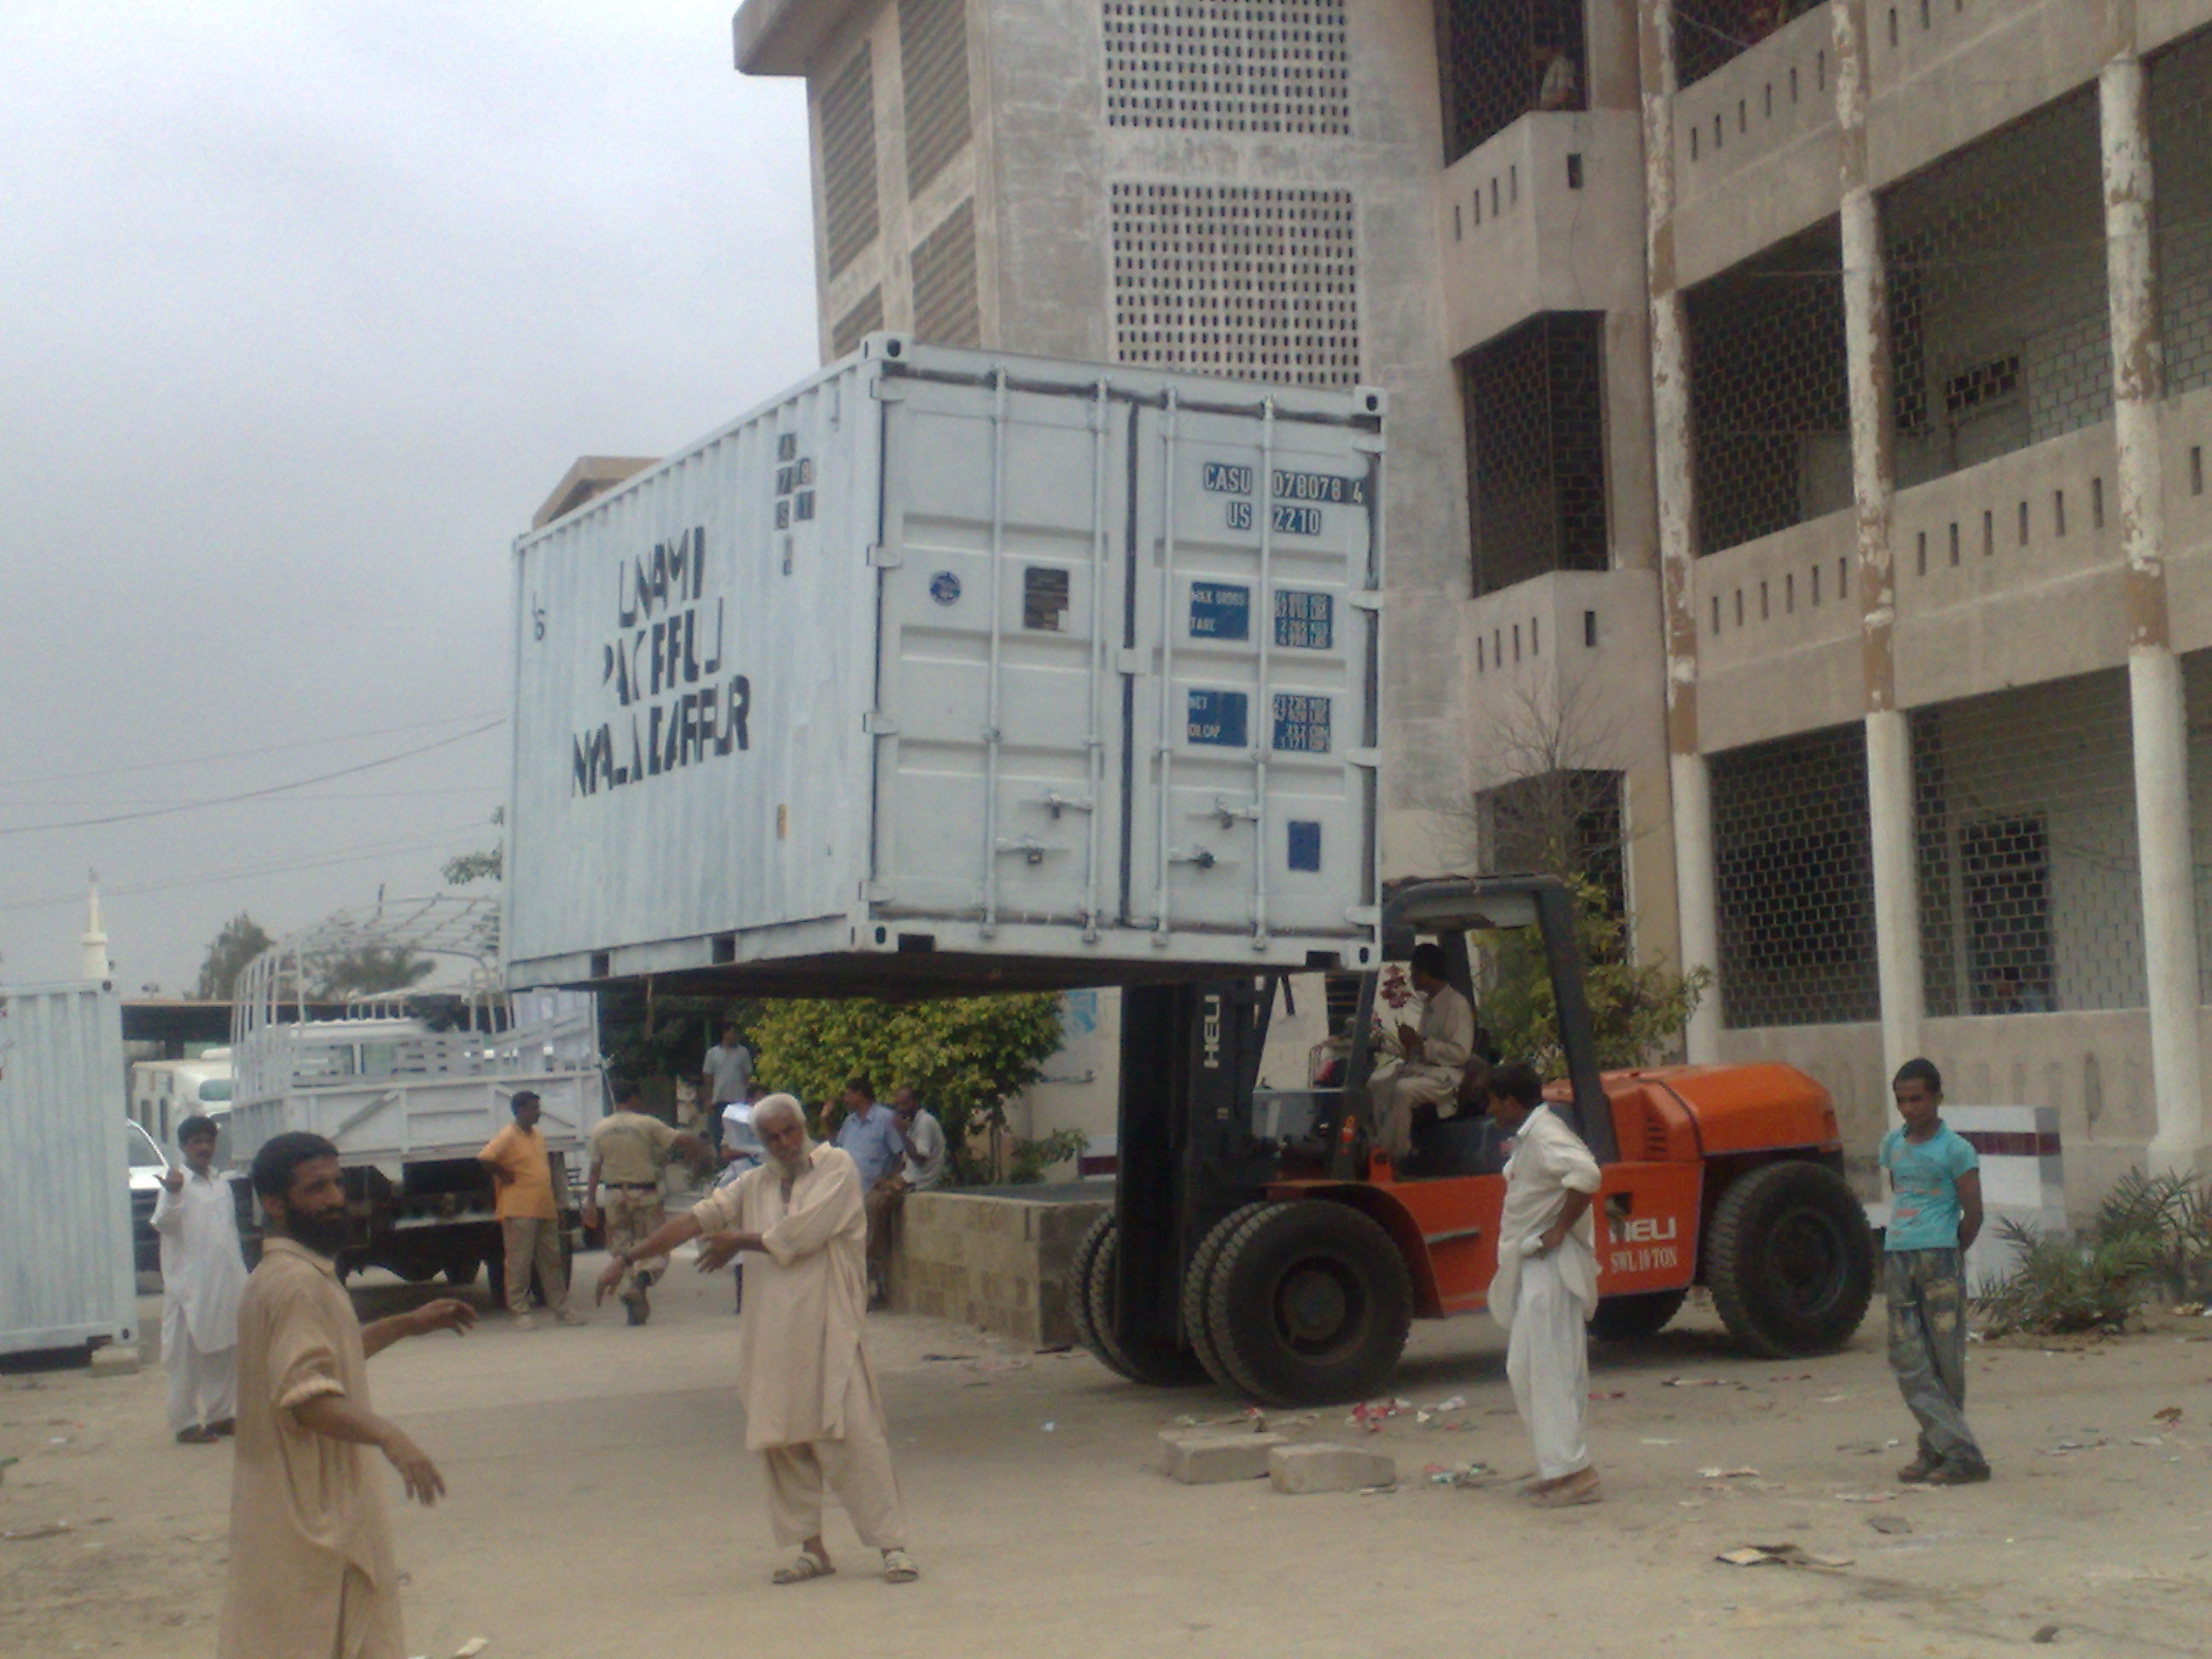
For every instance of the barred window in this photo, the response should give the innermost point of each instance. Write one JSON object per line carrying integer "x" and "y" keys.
{"x": 1794, "y": 881}
{"x": 2196, "y": 679}
{"x": 1227, "y": 66}
{"x": 2181, "y": 164}
{"x": 1534, "y": 405}
{"x": 2031, "y": 899}
{"x": 1770, "y": 397}
{"x": 946, "y": 310}
{"x": 849, "y": 212}
{"x": 1248, "y": 281}
{"x": 856, "y": 325}
{"x": 934, "y": 73}
{"x": 1709, "y": 32}
{"x": 1501, "y": 58}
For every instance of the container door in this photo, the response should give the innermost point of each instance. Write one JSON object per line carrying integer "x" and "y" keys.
{"x": 998, "y": 707}
{"x": 1255, "y": 711}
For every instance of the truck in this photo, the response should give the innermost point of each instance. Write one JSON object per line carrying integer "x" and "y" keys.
{"x": 409, "y": 1083}
{"x": 163, "y": 1093}
{"x": 1288, "y": 1266}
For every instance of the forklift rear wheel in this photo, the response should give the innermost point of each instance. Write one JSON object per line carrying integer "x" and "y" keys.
{"x": 1198, "y": 1294}
{"x": 1790, "y": 1260}
{"x": 1155, "y": 1364}
{"x": 1631, "y": 1318}
{"x": 1310, "y": 1304}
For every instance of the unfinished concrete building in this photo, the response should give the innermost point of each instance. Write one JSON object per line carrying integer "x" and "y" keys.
{"x": 1799, "y": 411}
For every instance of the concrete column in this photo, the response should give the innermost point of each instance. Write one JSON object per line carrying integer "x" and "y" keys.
{"x": 1873, "y": 488}
{"x": 2157, "y": 713}
{"x": 1671, "y": 437}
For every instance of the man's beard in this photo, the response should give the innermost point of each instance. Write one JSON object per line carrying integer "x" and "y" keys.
{"x": 791, "y": 1169}
{"x": 323, "y": 1234}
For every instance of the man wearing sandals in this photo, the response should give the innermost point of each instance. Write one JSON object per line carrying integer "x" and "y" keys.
{"x": 811, "y": 1409}
{"x": 1547, "y": 1285}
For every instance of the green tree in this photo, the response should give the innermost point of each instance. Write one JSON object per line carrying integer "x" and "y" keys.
{"x": 242, "y": 938}
{"x": 1638, "y": 1010}
{"x": 365, "y": 971}
{"x": 963, "y": 1055}
{"x": 487, "y": 865}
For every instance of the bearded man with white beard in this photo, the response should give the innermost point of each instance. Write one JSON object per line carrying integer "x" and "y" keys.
{"x": 811, "y": 1409}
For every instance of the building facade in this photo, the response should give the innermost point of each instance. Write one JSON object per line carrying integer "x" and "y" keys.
{"x": 1798, "y": 411}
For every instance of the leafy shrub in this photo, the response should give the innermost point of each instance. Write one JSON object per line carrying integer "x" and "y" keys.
{"x": 2173, "y": 1214}
{"x": 2060, "y": 1285}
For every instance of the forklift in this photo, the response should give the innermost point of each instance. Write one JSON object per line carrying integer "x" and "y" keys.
{"x": 1260, "y": 1239}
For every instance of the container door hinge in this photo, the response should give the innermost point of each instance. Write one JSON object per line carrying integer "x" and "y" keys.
{"x": 1369, "y": 758}
{"x": 1367, "y": 443}
{"x": 1129, "y": 659}
{"x": 875, "y": 892}
{"x": 877, "y": 723}
{"x": 888, "y": 391}
{"x": 886, "y": 558}
{"x": 1366, "y": 600}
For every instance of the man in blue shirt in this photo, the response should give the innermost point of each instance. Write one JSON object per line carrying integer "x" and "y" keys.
{"x": 1936, "y": 1211}
{"x": 871, "y": 1135}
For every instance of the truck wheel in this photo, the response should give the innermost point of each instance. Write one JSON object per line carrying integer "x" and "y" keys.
{"x": 1310, "y": 1304}
{"x": 1198, "y": 1294}
{"x": 1078, "y": 1285}
{"x": 1790, "y": 1260}
{"x": 1154, "y": 1365}
{"x": 1631, "y": 1318}
{"x": 461, "y": 1270}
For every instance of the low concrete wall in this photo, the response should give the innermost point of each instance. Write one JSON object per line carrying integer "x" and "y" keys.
{"x": 993, "y": 1260}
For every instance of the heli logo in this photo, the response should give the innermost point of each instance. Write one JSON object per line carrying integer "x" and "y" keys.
{"x": 1210, "y": 1034}
{"x": 1651, "y": 1230}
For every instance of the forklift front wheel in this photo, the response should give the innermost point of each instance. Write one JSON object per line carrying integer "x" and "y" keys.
{"x": 1790, "y": 1260}
{"x": 1153, "y": 1363}
{"x": 1198, "y": 1294}
{"x": 1310, "y": 1304}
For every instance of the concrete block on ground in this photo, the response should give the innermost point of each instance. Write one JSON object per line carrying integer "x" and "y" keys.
{"x": 1324, "y": 1467}
{"x": 1201, "y": 1460}
{"x": 115, "y": 1359}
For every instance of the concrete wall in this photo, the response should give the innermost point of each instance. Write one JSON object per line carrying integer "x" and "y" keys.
{"x": 997, "y": 1263}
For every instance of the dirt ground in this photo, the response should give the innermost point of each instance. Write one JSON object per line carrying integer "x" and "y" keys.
{"x": 602, "y": 1504}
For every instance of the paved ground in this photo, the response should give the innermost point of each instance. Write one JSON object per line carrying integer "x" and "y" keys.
{"x": 602, "y": 1505}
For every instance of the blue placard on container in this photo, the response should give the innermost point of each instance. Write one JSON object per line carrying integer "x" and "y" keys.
{"x": 1220, "y": 611}
{"x": 1304, "y": 619}
{"x": 1301, "y": 723}
{"x": 1219, "y": 718}
{"x": 1305, "y": 844}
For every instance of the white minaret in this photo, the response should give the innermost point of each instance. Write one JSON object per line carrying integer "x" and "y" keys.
{"x": 96, "y": 964}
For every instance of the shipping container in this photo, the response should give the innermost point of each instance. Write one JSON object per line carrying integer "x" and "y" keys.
{"x": 66, "y": 1274}
{"x": 950, "y": 669}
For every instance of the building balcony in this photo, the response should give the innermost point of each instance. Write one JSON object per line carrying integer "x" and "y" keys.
{"x": 1547, "y": 215}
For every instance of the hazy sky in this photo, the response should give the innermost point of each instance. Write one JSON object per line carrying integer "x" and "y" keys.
{"x": 309, "y": 307}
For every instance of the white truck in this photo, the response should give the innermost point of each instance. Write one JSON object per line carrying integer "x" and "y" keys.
{"x": 409, "y": 1084}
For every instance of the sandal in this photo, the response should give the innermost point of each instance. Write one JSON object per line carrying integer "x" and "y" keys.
{"x": 1570, "y": 1493}
{"x": 809, "y": 1566}
{"x": 899, "y": 1568}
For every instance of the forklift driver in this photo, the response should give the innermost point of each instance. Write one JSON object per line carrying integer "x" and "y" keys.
{"x": 1431, "y": 1058}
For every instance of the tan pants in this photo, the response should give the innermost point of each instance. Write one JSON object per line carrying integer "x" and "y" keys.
{"x": 1392, "y": 1097}
{"x": 882, "y": 1203}
{"x": 531, "y": 1242}
{"x": 857, "y": 1468}
{"x": 633, "y": 1213}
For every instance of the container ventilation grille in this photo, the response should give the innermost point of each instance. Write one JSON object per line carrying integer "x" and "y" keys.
{"x": 1249, "y": 281}
{"x": 1228, "y": 66}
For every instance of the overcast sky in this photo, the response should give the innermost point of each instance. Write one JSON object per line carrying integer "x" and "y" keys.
{"x": 309, "y": 306}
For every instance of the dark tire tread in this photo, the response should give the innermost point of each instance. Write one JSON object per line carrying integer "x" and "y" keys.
{"x": 1198, "y": 1294}
{"x": 1271, "y": 1378}
{"x": 1734, "y": 1257}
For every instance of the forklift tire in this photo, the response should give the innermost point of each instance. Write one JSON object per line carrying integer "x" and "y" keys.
{"x": 1310, "y": 1305}
{"x": 1632, "y": 1318}
{"x": 1197, "y": 1295}
{"x": 1155, "y": 1365}
{"x": 1790, "y": 1260}
{"x": 1078, "y": 1285}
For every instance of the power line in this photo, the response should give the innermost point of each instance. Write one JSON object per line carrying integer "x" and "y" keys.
{"x": 241, "y": 753}
{"x": 254, "y": 794}
{"x": 283, "y": 868}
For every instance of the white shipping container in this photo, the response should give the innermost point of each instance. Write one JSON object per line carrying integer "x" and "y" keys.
{"x": 65, "y": 1273}
{"x": 956, "y": 669}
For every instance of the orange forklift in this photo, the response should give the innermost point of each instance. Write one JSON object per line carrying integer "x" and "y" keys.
{"x": 1259, "y": 1238}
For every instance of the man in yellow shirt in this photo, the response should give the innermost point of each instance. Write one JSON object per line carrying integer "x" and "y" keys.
{"x": 628, "y": 1150}
{"x": 529, "y": 1220}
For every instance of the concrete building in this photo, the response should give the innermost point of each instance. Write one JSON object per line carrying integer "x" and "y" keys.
{"x": 1798, "y": 417}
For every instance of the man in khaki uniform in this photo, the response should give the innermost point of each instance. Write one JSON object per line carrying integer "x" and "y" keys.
{"x": 630, "y": 1148}
{"x": 811, "y": 1409}
{"x": 1432, "y": 1059}
{"x": 310, "y": 1569}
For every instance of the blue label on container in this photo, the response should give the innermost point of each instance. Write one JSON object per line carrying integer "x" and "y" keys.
{"x": 1305, "y": 620}
{"x": 1301, "y": 723}
{"x": 1305, "y": 844}
{"x": 945, "y": 587}
{"x": 1220, "y": 611}
{"x": 1219, "y": 718}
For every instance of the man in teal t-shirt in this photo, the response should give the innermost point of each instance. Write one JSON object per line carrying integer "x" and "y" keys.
{"x": 1936, "y": 1211}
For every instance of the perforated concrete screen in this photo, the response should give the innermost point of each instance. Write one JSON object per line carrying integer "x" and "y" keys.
{"x": 849, "y": 218}
{"x": 933, "y": 67}
{"x": 1240, "y": 280}
{"x": 1534, "y": 405}
{"x": 2181, "y": 164}
{"x": 1708, "y": 33}
{"x": 944, "y": 303}
{"x": 863, "y": 320}
{"x": 1498, "y": 59}
{"x": 1227, "y": 66}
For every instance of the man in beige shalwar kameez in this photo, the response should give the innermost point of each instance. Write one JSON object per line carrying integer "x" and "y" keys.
{"x": 310, "y": 1569}
{"x": 1431, "y": 1058}
{"x": 811, "y": 1409}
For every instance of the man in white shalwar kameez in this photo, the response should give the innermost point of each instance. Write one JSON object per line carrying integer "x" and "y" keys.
{"x": 1545, "y": 1288}
{"x": 1431, "y": 1058}
{"x": 202, "y": 1276}
{"x": 811, "y": 1409}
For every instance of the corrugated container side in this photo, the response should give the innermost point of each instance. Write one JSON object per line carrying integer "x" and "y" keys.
{"x": 65, "y": 1269}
